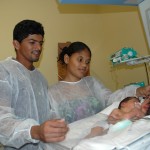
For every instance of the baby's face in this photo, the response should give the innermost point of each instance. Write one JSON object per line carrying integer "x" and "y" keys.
{"x": 145, "y": 105}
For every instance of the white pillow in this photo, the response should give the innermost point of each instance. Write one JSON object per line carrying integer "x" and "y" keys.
{"x": 110, "y": 108}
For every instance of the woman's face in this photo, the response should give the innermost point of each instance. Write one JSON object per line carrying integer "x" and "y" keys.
{"x": 145, "y": 106}
{"x": 77, "y": 65}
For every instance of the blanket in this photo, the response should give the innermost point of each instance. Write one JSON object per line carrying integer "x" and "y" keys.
{"x": 113, "y": 140}
{"x": 135, "y": 134}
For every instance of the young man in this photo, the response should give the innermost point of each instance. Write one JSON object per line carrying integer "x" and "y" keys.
{"x": 24, "y": 104}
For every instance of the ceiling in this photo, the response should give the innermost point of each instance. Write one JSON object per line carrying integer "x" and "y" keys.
{"x": 102, "y": 2}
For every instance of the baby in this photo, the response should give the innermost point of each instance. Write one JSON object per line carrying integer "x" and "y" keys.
{"x": 129, "y": 108}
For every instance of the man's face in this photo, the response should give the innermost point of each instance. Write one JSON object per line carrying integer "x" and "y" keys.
{"x": 29, "y": 49}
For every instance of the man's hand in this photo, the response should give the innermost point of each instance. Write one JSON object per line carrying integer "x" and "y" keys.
{"x": 50, "y": 131}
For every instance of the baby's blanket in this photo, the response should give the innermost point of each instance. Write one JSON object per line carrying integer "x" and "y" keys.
{"x": 138, "y": 133}
{"x": 118, "y": 140}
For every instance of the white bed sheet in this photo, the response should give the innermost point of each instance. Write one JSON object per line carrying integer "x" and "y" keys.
{"x": 136, "y": 136}
{"x": 129, "y": 138}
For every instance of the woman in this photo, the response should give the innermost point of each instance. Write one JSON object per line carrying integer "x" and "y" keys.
{"x": 78, "y": 96}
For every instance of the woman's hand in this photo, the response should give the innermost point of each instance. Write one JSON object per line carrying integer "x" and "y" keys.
{"x": 143, "y": 91}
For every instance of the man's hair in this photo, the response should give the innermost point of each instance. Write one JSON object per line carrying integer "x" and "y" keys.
{"x": 25, "y": 28}
{"x": 125, "y": 100}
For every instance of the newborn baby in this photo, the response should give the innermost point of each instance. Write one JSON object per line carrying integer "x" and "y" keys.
{"x": 129, "y": 108}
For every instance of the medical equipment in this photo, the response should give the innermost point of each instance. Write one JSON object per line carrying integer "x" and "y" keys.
{"x": 129, "y": 56}
{"x": 141, "y": 84}
{"x": 123, "y": 55}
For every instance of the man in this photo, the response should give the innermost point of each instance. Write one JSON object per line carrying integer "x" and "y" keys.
{"x": 25, "y": 115}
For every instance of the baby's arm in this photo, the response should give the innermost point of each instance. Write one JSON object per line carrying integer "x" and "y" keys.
{"x": 102, "y": 127}
{"x": 98, "y": 129}
{"x": 95, "y": 131}
{"x": 135, "y": 113}
{"x": 115, "y": 116}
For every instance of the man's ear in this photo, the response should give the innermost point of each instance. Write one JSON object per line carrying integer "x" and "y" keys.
{"x": 16, "y": 44}
{"x": 66, "y": 59}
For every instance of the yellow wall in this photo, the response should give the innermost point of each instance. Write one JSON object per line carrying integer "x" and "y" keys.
{"x": 105, "y": 29}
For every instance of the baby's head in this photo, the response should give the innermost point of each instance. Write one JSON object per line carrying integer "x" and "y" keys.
{"x": 128, "y": 103}
{"x": 131, "y": 102}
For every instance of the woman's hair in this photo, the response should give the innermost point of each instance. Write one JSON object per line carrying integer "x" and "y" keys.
{"x": 74, "y": 47}
{"x": 25, "y": 28}
{"x": 125, "y": 100}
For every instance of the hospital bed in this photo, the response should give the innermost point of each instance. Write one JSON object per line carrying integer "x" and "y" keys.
{"x": 135, "y": 136}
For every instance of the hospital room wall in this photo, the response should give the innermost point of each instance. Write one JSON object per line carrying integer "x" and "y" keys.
{"x": 103, "y": 31}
